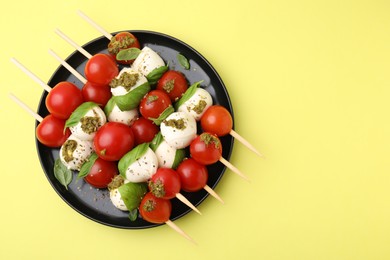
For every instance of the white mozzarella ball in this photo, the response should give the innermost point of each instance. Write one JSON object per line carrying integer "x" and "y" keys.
{"x": 142, "y": 169}
{"x": 178, "y": 129}
{"x": 116, "y": 199}
{"x": 89, "y": 124}
{"x": 122, "y": 90}
{"x": 147, "y": 61}
{"x": 197, "y": 104}
{"x": 124, "y": 117}
{"x": 165, "y": 155}
{"x": 74, "y": 152}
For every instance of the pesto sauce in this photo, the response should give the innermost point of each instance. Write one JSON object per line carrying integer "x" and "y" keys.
{"x": 176, "y": 123}
{"x": 126, "y": 80}
{"x": 116, "y": 45}
{"x": 67, "y": 150}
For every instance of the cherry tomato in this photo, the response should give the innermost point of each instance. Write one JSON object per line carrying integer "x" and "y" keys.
{"x": 154, "y": 103}
{"x": 165, "y": 183}
{"x": 50, "y": 131}
{"x": 144, "y": 130}
{"x": 173, "y": 83}
{"x": 193, "y": 175}
{"x": 101, "y": 69}
{"x": 122, "y": 41}
{"x": 102, "y": 172}
{"x": 206, "y": 148}
{"x": 113, "y": 140}
{"x": 155, "y": 210}
{"x": 100, "y": 94}
{"x": 217, "y": 120}
{"x": 63, "y": 99}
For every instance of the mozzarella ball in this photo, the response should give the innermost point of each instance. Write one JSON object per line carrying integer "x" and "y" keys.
{"x": 117, "y": 200}
{"x": 142, "y": 169}
{"x": 124, "y": 117}
{"x": 197, "y": 104}
{"x": 89, "y": 124}
{"x": 165, "y": 155}
{"x": 127, "y": 80}
{"x": 147, "y": 61}
{"x": 178, "y": 129}
{"x": 74, "y": 152}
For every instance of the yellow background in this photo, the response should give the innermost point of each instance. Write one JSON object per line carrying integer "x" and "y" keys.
{"x": 310, "y": 84}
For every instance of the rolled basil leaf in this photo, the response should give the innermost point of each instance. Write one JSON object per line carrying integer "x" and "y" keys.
{"x": 109, "y": 106}
{"x": 157, "y": 140}
{"x": 132, "y": 194}
{"x": 169, "y": 110}
{"x": 86, "y": 168}
{"x": 128, "y": 54}
{"x": 156, "y": 74}
{"x": 62, "y": 174}
{"x": 188, "y": 94}
{"x": 78, "y": 113}
{"x": 132, "y": 99}
{"x": 131, "y": 157}
{"x": 179, "y": 157}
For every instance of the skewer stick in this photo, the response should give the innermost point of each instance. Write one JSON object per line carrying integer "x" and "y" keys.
{"x": 187, "y": 202}
{"x": 74, "y": 44}
{"x": 68, "y": 67}
{"x": 179, "y": 230}
{"x": 245, "y": 142}
{"x": 95, "y": 25}
{"x": 31, "y": 75}
{"x": 232, "y": 168}
{"x": 25, "y": 107}
{"x": 213, "y": 193}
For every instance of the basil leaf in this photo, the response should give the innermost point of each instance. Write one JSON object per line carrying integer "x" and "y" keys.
{"x": 86, "y": 167}
{"x": 156, "y": 74}
{"x": 78, "y": 113}
{"x": 183, "y": 61}
{"x": 179, "y": 156}
{"x": 61, "y": 173}
{"x": 169, "y": 110}
{"x": 131, "y": 157}
{"x": 133, "y": 214}
{"x": 188, "y": 94}
{"x": 132, "y": 99}
{"x": 128, "y": 54}
{"x": 132, "y": 194}
{"x": 157, "y": 140}
{"x": 109, "y": 106}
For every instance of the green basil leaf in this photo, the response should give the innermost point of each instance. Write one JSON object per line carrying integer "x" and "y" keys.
{"x": 132, "y": 99}
{"x": 169, "y": 110}
{"x": 61, "y": 173}
{"x": 78, "y": 113}
{"x": 128, "y": 54}
{"x": 156, "y": 74}
{"x": 133, "y": 214}
{"x": 179, "y": 157}
{"x": 183, "y": 61}
{"x": 86, "y": 167}
{"x": 132, "y": 194}
{"x": 188, "y": 94}
{"x": 109, "y": 106}
{"x": 157, "y": 140}
{"x": 131, "y": 157}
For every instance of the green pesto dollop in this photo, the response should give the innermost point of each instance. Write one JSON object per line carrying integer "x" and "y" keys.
{"x": 176, "y": 123}
{"x": 116, "y": 45}
{"x": 67, "y": 150}
{"x": 126, "y": 80}
{"x": 90, "y": 124}
{"x": 199, "y": 107}
{"x": 168, "y": 87}
{"x": 210, "y": 139}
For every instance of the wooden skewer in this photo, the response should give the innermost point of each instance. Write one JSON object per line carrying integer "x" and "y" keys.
{"x": 31, "y": 75}
{"x": 68, "y": 67}
{"x": 25, "y": 107}
{"x": 245, "y": 142}
{"x": 213, "y": 193}
{"x": 179, "y": 230}
{"x": 95, "y": 25}
{"x": 232, "y": 168}
{"x": 187, "y": 202}
{"x": 74, "y": 44}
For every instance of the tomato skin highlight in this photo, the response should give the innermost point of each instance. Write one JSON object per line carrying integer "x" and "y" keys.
{"x": 173, "y": 83}
{"x": 101, "y": 69}
{"x": 101, "y": 174}
{"x": 144, "y": 130}
{"x": 63, "y": 99}
{"x": 206, "y": 152}
{"x": 100, "y": 94}
{"x": 155, "y": 210}
{"x": 121, "y": 36}
{"x": 50, "y": 131}
{"x": 113, "y": 140}
{"x": 217, "y": 120}
{"x": 154, "y": 103}
{"x": 193, "y": 175}
{"x": 165, "y": 183}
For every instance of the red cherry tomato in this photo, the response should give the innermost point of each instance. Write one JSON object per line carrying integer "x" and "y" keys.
{"x": 217, "y": 120}
{"x": 165, "y": 183}
{"x": 100, "y": 94}
{"x": 206, "y": 148}
{"x": 63, "y": 99}
{"x": 122, "y": 41}
{"x": 102, "y": 172}
{"x": 113, "y": 140}
{"x": 50, "y": 131}
{"x": 193, "y": 175}
{"x": 154, "y": 103}
{"x": 144, "y": 130}
{"x": 155, "y": 210}
{"x": 173, "y": 83}
{"x": 101, "y": 69}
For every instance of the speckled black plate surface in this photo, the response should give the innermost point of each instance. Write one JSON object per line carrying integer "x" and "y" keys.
{"x": 95, "y": 203}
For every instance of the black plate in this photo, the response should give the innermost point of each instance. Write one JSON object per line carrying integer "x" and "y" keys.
{"x": 95, "y": 203}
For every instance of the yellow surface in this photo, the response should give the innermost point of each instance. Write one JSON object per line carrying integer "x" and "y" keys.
{"x": 310, "y": 84}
